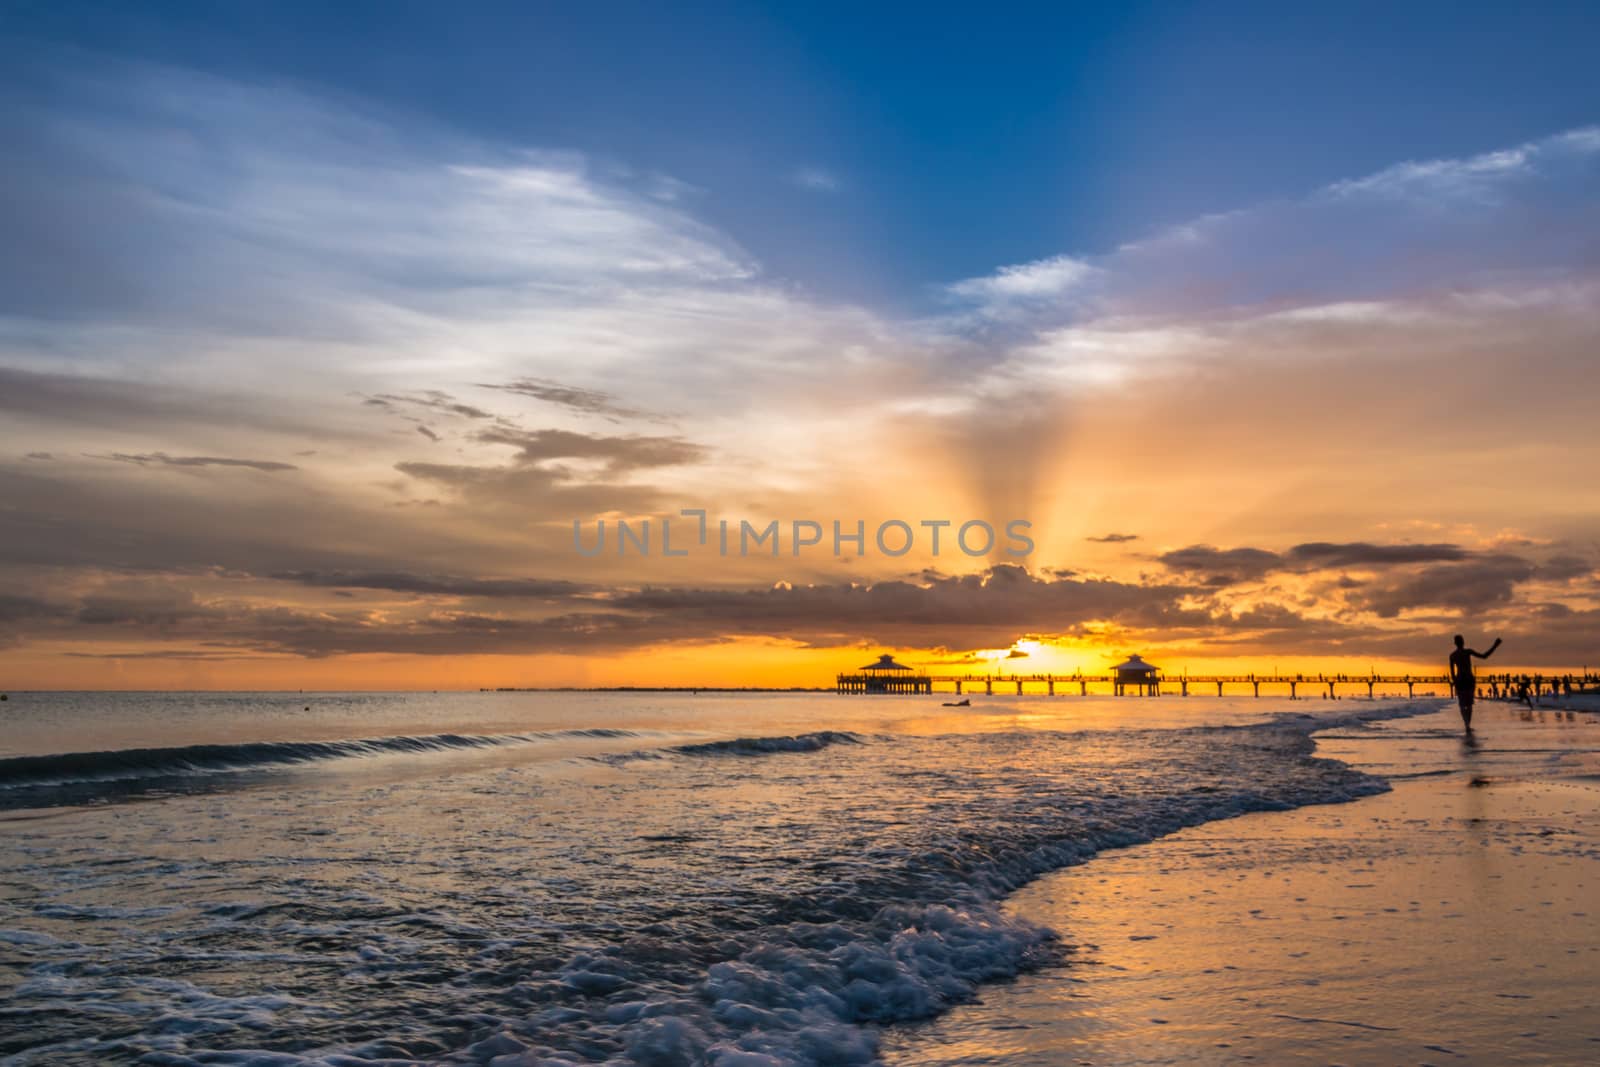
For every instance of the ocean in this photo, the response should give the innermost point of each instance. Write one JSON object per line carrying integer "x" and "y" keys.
{"x": 743, "y": 880}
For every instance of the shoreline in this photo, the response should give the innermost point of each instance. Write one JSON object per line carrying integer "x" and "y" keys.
{"x": 1447, "y": 920}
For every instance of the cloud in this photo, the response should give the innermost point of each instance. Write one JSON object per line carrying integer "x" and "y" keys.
{"x": 79, "y": 403}
{"x": 1470, "y": 586}
{"x": 1040, "y": 280}
{"x": 415, "y": 613}
{"x": 431, "y": 399}
{"x": 162, "y": 459}
{"x": 1218, "y": 566}
{"x": 441, "y": 585}
{"x": 816, "y": 179}
{"x": 1362, "y": 554}
{"x": 151, "y": 150}
{"x": 1397, "y": 578}
{"x": 571, "y": 397}
{"x": 1113, "y": 538}
{"x": 158, "y": 613}
{"x": 1478, "y": 179}
{"x": 1229, "y": 567}
{"x": 14, "y": 608}
{"x": 983, "y": 610}
{"x": 972, "y": 611}
{"x": 1564, "y": 568}
{"x": 618, "y": 454}
{"x": 1418, "y": 249}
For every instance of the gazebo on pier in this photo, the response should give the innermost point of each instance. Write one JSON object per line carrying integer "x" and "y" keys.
{"x": 885, "y": 676}
{"x": 1134, "y": 673}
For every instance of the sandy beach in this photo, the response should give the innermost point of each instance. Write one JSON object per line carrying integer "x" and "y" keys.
{"x": 1451, "y": 920}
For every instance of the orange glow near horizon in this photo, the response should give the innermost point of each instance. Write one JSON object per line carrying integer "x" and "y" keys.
{"x": 738, "y": 663}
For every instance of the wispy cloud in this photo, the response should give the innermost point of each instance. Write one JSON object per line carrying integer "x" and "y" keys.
{"x": 161, "y": 459}
{"x": 571, "y": 397}
{"x": 816, "y": 179}
{"x": 1041, "y": 280}
{"x": 1390, "y": 248}
{"x": 1476, "y": 179}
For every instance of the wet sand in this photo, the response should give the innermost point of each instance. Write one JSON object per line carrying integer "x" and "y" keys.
{"x": 1454, "y": 920}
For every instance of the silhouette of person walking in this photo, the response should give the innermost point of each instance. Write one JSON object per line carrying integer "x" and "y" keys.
{"x": 1461, "y": 676}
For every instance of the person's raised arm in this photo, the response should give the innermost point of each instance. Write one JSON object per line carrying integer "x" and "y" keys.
{"x": 1486, "y": 655}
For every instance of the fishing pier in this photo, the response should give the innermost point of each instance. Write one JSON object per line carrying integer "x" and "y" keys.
{"x": 1080, "y": 684}
{"x": 1140, "y": 678}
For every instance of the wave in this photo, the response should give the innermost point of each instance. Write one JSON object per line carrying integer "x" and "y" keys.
{"x": 79, "y": 777}
{"x": 766, "y": 746}
{"x": 78, "y": 767}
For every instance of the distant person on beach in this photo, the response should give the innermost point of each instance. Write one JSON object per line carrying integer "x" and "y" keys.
{"x": 1461, "y": 676}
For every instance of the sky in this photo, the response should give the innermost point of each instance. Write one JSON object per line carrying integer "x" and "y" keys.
{"x": 323, "y": 332}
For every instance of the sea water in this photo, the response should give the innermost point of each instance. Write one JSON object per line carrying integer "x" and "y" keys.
{"x": 572, "y": 878}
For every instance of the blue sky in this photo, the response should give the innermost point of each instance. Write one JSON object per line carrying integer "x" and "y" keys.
{"x": 877, "y": 152}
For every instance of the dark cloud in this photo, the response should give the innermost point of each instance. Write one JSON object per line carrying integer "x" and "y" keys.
{"x": 15, "y": 608}
{"x": 1113, "y": 538}
{"x": 439, "y": 585}
{"x": 181, "y": 654}
{"x": 285, "y": 523}
{"x": 1216, "y": 566}
{"x": 970, "y": 611}
{"x": 1401, "y": 577}
{"x": 76, "y": 400}
{"x": 1363, "y": 554}
{"x": 430, "y": 399}
{"x": 1565, "y": 568}
{"x": 38, "y": 455}
{"x": 245, "y": 631}
{"x": 1470, "y": 586}
{"x": 1220, "y": 567}
{"x": 490, "y": 484}
{"x": 571, "y": 397}
{"x": 160, "y": 612}
{"x": 536, "y": 480}
{"x": 145, "y": 459}
{"x": 429, "y": 434}
{"x": 991, "y": 609}
{"x": 620, "y": 454}
{"x": 488, "y": 496}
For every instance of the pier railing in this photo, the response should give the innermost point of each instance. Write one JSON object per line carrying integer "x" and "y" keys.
{"x": 1293, "y": 684}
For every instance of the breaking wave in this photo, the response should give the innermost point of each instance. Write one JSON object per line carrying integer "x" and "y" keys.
{"x": 73, "y": 767}
{"x": 766, "y": 746}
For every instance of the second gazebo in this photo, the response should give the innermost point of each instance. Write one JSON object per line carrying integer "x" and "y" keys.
{"x": 887, "y": 676}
